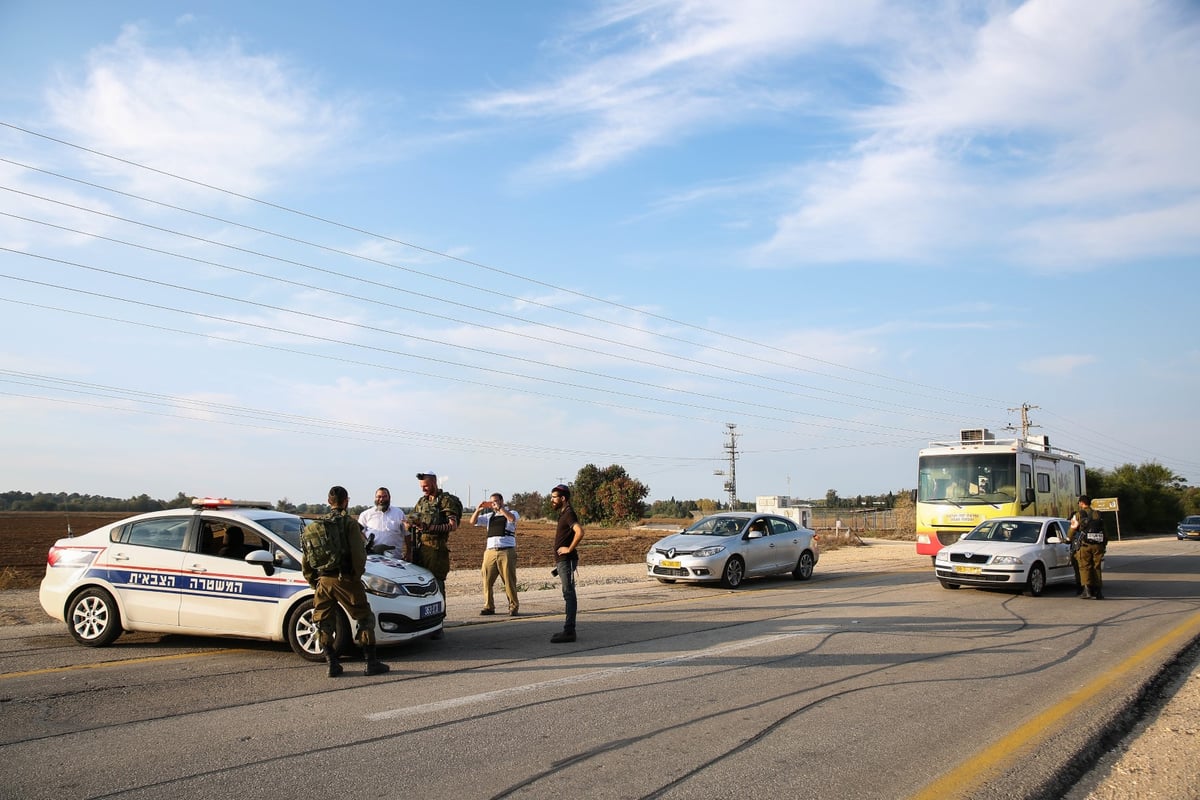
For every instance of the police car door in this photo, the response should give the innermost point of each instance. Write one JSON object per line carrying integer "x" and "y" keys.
{"x": 223, "y": 593}
{"x": 144, "y": 569}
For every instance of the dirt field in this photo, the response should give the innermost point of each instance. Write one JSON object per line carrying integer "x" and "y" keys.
{"x": 26, "y": 537}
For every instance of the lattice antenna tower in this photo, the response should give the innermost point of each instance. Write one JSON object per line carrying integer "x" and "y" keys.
{"x": 731, "y": 449}
{"x": 1025, "y": 423}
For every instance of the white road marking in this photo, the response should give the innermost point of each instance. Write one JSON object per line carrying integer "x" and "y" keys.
{"x": 487, "y": 697}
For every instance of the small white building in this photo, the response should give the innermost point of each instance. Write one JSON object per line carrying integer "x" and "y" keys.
{"x": 800, "y": 513}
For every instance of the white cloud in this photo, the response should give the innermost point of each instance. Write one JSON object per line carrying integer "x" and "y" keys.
{"x": 1058, "y": 366}
{"x": 219, "y": 115}
{"x": 670, "y": 69}
{"x": 1067, "y": 127}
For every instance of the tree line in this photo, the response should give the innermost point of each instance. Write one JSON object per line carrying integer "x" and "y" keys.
{"x": 1152, "y": 499}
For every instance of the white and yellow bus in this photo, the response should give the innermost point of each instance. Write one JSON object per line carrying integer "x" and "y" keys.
{"x": 962, "y": 483}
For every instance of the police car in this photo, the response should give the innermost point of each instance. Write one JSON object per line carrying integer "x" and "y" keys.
{"x": 220, "y": 568}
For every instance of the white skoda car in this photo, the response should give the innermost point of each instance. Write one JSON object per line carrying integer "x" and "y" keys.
{"x": 1022, "y": 553}
{"x": 221, "y": 568}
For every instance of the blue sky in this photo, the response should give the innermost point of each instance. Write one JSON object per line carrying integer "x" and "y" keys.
{"x": 255, "y": 249}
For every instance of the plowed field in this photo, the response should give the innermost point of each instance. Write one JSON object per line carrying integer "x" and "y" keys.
{"x": 26, "y": 537}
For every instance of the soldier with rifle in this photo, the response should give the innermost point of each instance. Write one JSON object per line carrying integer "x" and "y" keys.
{"x": 434, "y": 517}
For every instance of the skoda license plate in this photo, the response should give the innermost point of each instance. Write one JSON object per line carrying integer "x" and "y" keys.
{"x": 431, "y": 610}
{"x": 968, "y": 570}
{"x": 670, "y": 564}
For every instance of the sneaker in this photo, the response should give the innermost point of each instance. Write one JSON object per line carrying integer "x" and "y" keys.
{"x": 486, "y": 612}
{"x": 563, "y": 636}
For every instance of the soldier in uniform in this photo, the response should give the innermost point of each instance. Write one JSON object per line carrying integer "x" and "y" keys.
{"x": 434, "y": 517}
{"x": 1088, "y": 529}
{"x": 334, "y": 558}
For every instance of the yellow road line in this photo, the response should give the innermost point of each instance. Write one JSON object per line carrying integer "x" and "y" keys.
{"x": 120, "y": 663}
{"x": 971, "y": 774}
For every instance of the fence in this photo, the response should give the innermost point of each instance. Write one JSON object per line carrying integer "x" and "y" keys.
{"x": 870, "y": 522}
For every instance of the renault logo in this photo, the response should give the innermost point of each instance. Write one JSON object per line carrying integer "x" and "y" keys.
{"x": 671, "y": 552}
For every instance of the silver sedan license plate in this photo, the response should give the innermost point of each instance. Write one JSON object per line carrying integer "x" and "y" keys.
{"x": 431, "y": 610}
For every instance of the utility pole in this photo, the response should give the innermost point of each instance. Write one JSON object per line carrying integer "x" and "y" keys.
{"x": 1025, "y": 423}
{"x": 731, "y": 448}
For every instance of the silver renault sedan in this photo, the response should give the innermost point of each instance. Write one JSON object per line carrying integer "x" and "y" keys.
{"x": 732, "y": 546}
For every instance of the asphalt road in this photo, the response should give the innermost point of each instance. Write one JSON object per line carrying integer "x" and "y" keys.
{"x": 861, "y": 683}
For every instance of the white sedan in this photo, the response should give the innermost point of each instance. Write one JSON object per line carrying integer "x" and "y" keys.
{"x": 1025, "y": 553}
{"x": 221, "y": 568}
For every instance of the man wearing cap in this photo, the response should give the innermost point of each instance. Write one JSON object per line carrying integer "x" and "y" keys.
{"x": 566, "y": 557}
{"x": 434, "y": 517}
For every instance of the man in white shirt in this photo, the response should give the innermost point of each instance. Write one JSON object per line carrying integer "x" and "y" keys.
{"x": 387, "y": 523}
{"x": 500, "y": 557}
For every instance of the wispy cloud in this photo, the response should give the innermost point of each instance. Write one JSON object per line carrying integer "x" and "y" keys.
{"x": 672, "y": 69}
{"x": 993, "y": 126}
{"x": 1058, "y": 366}
{"x": 215, "y": 113}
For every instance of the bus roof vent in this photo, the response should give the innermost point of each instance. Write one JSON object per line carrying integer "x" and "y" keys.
{"x": 975, "y": 435}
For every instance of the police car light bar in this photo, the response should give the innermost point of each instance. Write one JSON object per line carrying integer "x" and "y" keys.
{"x": 225, "y": 502}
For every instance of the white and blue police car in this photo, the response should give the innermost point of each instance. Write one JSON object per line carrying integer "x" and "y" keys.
{"x": 220, "y": 568}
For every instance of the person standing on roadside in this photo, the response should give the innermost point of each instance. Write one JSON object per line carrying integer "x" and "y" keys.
{"x": 500, "y": 557}
{"x": 386, "y": 522}
{"x": 434, "y": 517}
{"x": 566, "y": 557}
{"x": 333, "y": 559}
{"x": 1088, "y": 528}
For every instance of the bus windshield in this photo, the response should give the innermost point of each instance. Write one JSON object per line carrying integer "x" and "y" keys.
{"x": 967, "y": 478}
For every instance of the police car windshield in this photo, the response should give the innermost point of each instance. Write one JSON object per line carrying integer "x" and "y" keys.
{"x": 286, "y": 528}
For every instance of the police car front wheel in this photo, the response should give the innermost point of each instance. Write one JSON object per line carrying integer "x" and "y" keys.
{"x": 303, "y": 636}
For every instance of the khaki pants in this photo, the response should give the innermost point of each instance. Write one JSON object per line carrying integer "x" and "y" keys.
{"x": 502, "y": 563}
{"x": 349, "y": 592}
{"x": 1090, "y": 557}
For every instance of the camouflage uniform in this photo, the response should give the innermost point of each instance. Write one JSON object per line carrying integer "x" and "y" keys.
{"x": 335, "y": 570}
{"x": 431, "y": 550}
{"x": 1090, "y": 555}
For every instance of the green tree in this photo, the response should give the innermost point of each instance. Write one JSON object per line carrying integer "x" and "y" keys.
{"x": 1151, "y": 496}
{"x": 621, "y": 498}
{"x": 608, "y": 495}
{"x": 530, "y": 505}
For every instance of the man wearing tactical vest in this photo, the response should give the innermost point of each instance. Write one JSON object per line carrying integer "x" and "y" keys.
{"x": 435, "y": 516}
{"x": 1088, "y": 529}
{"x": 334, "y": 557}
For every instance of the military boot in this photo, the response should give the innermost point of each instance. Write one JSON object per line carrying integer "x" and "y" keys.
{"x": 374, "y": 665}
{"x": 1087, "y": 593}
{"x": 335, "y": 666}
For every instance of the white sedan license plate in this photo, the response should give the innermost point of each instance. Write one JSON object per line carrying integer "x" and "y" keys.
{"x": 968, "y": 570}
{"x": 670, "y": 564}
{"x": 431, "y": 610}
